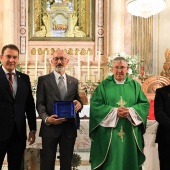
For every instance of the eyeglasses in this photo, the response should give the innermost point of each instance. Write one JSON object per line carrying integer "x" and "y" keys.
{"x": 59, "y": 58}
{"x": 119, "y": 68}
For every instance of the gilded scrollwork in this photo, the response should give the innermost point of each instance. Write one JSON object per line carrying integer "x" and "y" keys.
{"x": 60, "y": 18}
{"x": 37, "y": 15}
{"x": 166, "y": 66}
{"x": 69, "y": 51}
{"x": 72, "y": 20}
{"x": 82, "y": 14}
{"x": 78, "y": 33}
{"x": 41, "y": 33}
{"x": 46, "y": 18}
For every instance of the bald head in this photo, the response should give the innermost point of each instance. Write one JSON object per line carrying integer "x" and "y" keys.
{"x": 59, "y": 60}
{"x": 59, "y": 53}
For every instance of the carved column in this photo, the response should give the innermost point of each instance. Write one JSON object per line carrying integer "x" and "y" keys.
{"x": 8, "y": 22}
{"x": 116, "y": 38}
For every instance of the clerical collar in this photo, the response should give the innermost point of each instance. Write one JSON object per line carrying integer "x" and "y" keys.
{"x": 119, "y": 82}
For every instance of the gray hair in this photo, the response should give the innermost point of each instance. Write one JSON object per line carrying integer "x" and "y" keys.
{"x": 119, "y": 59}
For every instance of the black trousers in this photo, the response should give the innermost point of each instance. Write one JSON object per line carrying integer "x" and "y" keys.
{"x": 164, "y": 160}
{"x": 14, "y": 148}
{"x": 49, "y": 149}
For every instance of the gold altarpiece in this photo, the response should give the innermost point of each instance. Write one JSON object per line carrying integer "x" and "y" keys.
{"x": 61, "y": 20}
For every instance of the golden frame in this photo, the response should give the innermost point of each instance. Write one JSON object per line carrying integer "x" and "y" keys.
{"x": 85, "y": 20}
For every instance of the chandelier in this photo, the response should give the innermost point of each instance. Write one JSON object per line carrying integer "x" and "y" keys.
{"x": 145, "y": 8}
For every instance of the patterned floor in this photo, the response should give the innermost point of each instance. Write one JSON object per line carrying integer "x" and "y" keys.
{"x": 81, "y": 167}
{"x": 84, "y": 163}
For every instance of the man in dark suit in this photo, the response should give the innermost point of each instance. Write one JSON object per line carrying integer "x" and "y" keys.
{"x": 162, "y": 115}
{"x": 16, "y": 104}
{"x": 56, "y": 130}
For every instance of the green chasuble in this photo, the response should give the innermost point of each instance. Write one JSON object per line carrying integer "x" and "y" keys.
{"x": 111, "y": 149}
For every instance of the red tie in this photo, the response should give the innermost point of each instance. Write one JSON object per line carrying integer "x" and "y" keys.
{"x": 10, "y": 81}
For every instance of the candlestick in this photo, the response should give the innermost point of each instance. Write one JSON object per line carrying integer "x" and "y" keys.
{"x": 78, "y": 69}
{"x": 45, "y": 62}
{"x": 99, "y": 58}
{"x": 142, "y": 71}
{"x": 143, "y": 76}
{"x": 36, "y": 62}
{"x": 88, "y": 65}
{"x": 26, "y": 60}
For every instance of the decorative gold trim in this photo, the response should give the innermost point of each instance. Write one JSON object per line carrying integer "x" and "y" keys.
{"x": 69, "y": 51}
{"x": 121, "y": 133}
{"x": 86, "y": 20}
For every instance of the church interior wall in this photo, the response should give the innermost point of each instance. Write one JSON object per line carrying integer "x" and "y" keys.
{"x": 100, "y": 43}
{"x": 163, "y": 36}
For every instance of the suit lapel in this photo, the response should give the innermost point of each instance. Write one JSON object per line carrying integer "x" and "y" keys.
{"x": 54, "y": 85}
{"x": 5, "y": 82}
{"x": 69, "y": 83}
{"x": 19, "y": 89}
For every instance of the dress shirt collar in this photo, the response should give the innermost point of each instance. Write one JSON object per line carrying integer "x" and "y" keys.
{"x": 6, "y": 72}
{"x": 57, "y": 75}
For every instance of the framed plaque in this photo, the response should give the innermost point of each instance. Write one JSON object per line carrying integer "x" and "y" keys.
{"x": 64, "y": 109}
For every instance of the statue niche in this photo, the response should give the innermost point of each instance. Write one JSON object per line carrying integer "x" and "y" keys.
{"x": 59, "y": 26}
{"x": 60, "y": 21}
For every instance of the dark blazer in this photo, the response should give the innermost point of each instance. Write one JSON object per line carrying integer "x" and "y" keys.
{"x": 162, "y": 114}
{"x": 16, "y": 110}
{"x": 47, "y": 93}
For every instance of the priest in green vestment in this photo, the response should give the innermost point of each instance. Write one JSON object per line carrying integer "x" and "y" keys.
{"x": 118, "y": 115}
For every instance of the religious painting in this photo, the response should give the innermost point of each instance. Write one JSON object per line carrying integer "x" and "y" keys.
{"x": 61, "y": 20}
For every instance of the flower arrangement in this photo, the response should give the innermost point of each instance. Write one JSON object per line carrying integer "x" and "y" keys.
{"x": 34, "y": 87}
{"x": 89, "y": 87}
{"x": 132, "y": 62}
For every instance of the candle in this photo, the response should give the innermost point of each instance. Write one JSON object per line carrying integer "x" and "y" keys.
{"x": 36, "y": 62}
{"x": 142, "y": 71}
{"x": 45, "y": 62}
{"x": 99, "y": 58}
{"x": 78, "y": 69}
{"x": 88, "y": 66}
{"x": 26, "y": 60}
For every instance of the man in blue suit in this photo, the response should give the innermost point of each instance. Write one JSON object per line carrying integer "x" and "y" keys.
{"x": 16, "y": 104}
{"x": 56, "y": 130}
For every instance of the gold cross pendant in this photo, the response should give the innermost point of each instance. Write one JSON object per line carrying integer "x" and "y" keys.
{"x": 121, "y": 133}
{"x": 121, "y": 102}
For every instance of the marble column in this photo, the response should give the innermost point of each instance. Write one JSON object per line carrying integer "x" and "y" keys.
{"x": 8, "y": 29}
{"x": 1, "y": 16}
{"x": 116, "y": 34}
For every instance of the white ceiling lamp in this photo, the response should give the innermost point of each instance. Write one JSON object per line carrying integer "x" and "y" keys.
{"x": 145, "y": 8}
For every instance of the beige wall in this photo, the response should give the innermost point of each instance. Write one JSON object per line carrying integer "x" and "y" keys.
{"x": 163, "y": 36}
{"x": 161, "y": 32}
